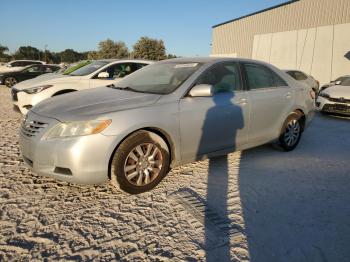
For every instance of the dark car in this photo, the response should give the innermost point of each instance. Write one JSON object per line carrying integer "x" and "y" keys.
{"x": 11, "y": 78}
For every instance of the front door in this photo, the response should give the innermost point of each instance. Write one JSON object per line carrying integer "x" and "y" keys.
{"x": 209, "y": 124}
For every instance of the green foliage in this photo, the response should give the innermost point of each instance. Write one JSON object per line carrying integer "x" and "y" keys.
{"x": 75, "y": 67}
{"x": 148, "y": 48}
{"x": 27, "y": 52}
{"x": 4, "y": 57}
{"x": 110, "y": 49}
{"x": 70, "y": 56}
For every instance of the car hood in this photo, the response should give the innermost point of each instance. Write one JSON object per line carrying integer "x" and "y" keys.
{"x": 91, "y": 103}
{"x": 47, "y": 80}
{"x": 338, "y": 91}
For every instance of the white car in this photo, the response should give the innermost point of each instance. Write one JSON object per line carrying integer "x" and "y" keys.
{"x": 19, "y": 64}
{"x": 304, "y": 78}
{"x": 335, "y": 99}
{"x": 99, "y": 73}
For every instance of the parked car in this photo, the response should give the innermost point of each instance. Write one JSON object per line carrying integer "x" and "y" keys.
{"x": 19, "y": 64}
{"x": 166, "y": 114}
{"x": 64, "y": 70}
{"x": 304, "y": 78}
{"x": 11, "y": 78}
{"x": 337, "y": 81}
{"x": 99, "y": 73}
{"x": 335, "y": 99}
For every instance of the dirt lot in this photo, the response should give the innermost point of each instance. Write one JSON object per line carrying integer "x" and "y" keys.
{"x": 257, "y": 205}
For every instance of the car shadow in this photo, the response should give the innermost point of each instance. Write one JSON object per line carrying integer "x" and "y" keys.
{"x": 295, "y": 205}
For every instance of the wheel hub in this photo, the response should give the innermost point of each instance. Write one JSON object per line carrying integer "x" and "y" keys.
{"x": 143, "y": 164}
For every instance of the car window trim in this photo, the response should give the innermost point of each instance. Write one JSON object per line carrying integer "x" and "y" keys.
{"x": 271, "y": 72}
{"x": 108, "y": 66}
{"x": 243, "y": 86}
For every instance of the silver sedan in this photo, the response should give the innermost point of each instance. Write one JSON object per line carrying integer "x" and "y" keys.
{"x": 166, "y": 114}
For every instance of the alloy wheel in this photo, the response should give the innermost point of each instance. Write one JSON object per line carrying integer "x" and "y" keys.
{"x": 292, "y": 133}
{"x": 10, "y": 81}
{"x": 143, "y": 164}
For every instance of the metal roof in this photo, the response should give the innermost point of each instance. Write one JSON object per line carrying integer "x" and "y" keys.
{"x": 258, "y": 12}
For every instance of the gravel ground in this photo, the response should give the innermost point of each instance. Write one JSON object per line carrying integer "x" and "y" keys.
{"x": 262, "y": 205}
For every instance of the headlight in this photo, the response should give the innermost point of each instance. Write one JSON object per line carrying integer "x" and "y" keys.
{"x": 324, "y": 95}
{"x": 81, "y": 128}
{"x": 36, "y": 89}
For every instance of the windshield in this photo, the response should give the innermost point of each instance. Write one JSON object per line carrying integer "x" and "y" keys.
{"x": 88, "y": 69}
{"x": 162, "y": 78}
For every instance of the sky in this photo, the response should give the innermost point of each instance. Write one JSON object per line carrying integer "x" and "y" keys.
{"x": 185, "y": 26}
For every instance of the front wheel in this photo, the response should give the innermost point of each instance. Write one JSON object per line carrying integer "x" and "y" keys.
{"x": 140, "y": 162}
{"x": 10, "y": 81}
{"x": 291, "y": 133}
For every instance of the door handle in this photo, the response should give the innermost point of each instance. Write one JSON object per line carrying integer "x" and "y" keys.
{"x": 289, "y": 95}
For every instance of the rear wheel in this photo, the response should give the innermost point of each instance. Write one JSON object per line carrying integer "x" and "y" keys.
{"x": 10, "y": 81}
{"x": 140, "y": 162}
{"x": 292, "y": 132}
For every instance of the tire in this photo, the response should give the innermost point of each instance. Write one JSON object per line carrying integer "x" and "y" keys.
{"x": 291, "y": 132}
{"x": 136, "y": 173}
{"x": 10, "y": 81}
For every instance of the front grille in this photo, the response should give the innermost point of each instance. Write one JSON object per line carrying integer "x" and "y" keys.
{"x": 32, "y": 128}
{"x": 14, "y": 94}
{"x": 339, "y": 100}
{"x": 336, "y": 108}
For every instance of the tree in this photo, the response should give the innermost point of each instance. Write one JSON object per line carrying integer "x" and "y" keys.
{"x": 93, "y": 55}
{"x": 4, "y": 57}
{"x": 148, "y": 48}
{"x": 70, "y": 56}
{"x": 112, "y": 49}
{"x": 169, "y": 56}
{"x": 27, "y": 52}
{"x": 3, "y": 49}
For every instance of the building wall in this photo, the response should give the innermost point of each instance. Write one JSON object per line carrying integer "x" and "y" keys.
{"x": 320, "y": 51}
{"x": 312, "y": 35}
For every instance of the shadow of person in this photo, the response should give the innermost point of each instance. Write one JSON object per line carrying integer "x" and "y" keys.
{"x": 219, "y": 132}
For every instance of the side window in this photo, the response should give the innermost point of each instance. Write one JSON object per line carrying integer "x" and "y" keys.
{"x": 300, "y": 76}
{"x": 259, "y": 76}
{"x": 16, "y": 64}
{"x": 48, "y": 69}
{"x": 224, "y": 77}
{"x": 139, "y": 66}
{"x": 279, "y": 82}
{"x": 34, "y": 69}
{"x": 120, "y": 70}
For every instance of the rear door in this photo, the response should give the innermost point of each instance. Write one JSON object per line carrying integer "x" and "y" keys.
{"x": 271, "y": 100}
{"x": 209, "y": 124}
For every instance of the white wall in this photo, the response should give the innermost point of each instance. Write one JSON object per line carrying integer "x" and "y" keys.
{"x": 317, "y": 51}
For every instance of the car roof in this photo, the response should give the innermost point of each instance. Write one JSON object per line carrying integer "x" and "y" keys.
{"x": 125, "y": 60}
{"x": 26, "y": 61}
{"x": 209, "y": 59}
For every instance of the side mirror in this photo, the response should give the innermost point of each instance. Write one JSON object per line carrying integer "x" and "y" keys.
{"x": 9, "y": 65}
{"x": 337, "y": 82}
{"x": 202, "y": 90}
{"x": 103, "y": 75}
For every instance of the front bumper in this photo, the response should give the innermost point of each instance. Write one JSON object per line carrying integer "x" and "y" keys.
{"x": 23, "y": 101}
{"x": 82, "y": 160}
{"x": 327, "y": 106}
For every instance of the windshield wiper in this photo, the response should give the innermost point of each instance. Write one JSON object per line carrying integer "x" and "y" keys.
{"x": 127, "y": 88}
